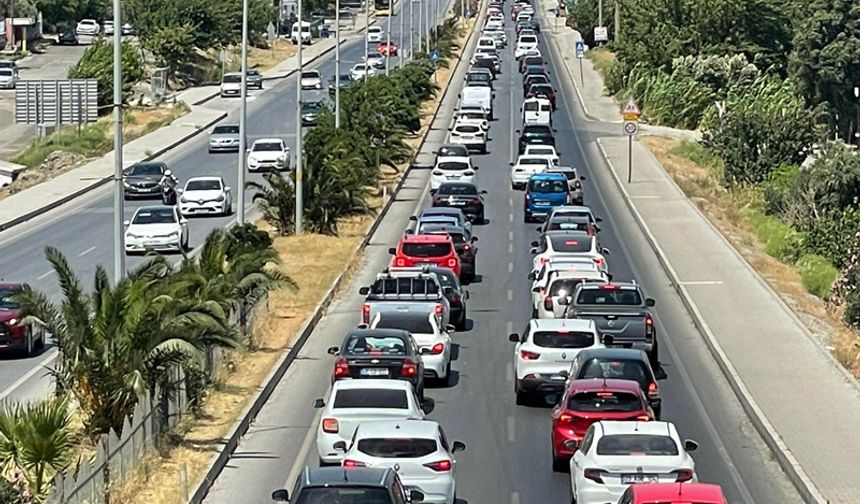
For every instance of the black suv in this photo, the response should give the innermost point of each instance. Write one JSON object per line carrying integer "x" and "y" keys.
{"x": 358, "y": 485}
{"x": 536, "y": 134}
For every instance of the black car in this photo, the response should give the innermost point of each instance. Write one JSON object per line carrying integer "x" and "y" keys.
{"x": 452, "y": 150}
{"x": 380, "y": 353}
{"x": 536, "y": 134}
{"x": 521, "y": 25}
{"x": 622, "y": 363}
{"x": 485, "y": 63}
{"x": 67, "y": 37}
{"x": 311, "y": 112}
{"x": 254, "y": 79}
{"x": 535, "y": 70}
{"x": 463, "y": 195}
{"x": 144, "y": 180}
{"x": 356, "y": 485}
{"x": 531, "y": 80}
{"x": 464, "y": 245}
{"x": 533, "y": 24}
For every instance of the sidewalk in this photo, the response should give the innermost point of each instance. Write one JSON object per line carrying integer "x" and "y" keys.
{"x": 36, "y": 200}
{"x": 805, "y": 406}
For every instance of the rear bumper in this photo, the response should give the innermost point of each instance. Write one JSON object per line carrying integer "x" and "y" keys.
{"x": 540, "y": 384}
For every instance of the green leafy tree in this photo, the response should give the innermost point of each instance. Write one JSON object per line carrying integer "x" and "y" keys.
{"x": 276, "y": 198}
{"x": 334, "y": 190}
{"x": 70, "y": 11}
{"x": 97, "y": 63}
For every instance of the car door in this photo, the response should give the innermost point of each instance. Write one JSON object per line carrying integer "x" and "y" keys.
{"x": 183, "y": 226}
{"x": 578, "y": 460}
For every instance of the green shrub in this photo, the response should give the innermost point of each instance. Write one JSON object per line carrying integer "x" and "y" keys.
{"x": 92, "y": 140}
{"x": 852, "y": 309}
{"x": 817, "y": 274}
{"x": 781, "y": 240}
{"x": 777, "y": 188}
{"x": 97, "y": 63}
{"x": 700, "y": 155}
{"x": 832, "y": 235}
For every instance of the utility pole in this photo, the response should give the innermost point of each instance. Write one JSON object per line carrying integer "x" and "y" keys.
{"x": 118, "y": 219}
{"x": 366, "y": 38}
{"x": 857, "y": 124}
{"x": 421, "y": 25}
{"x": 599, "y": 12}
{"x": 336, "y": 64}
{"x": 617, "y": 20}
{"x": 411, "y": 29}
{"x": 243, "y": 116}
{"x": 388, "y": 38}
{"x": 400, "y": 48}
{"x": 299, "y": 168}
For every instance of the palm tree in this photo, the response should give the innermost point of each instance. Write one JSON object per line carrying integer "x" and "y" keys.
{"x": 335, "y": 190}
{"x": 277, "y": 201}
{"x": 115, "y": 342}
{"x": 38, "y": 440}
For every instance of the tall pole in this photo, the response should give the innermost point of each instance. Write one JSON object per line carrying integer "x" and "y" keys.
{"x": 400, "y": 47}
{"x": 243, "y": 116}
{"x": 366, "y": 38}
{"x": 421, "y": 25}
{"x": 857, "y": 124}
{"x": 119, "y": 238}
{"x": 336, "y": 64}
{"x": 411, "y": 29}
{"x": 299, "y": 168}
{"x": 599, "y": 12}
{"x": 388, "y": 38}
{"x": 617, "y": 20}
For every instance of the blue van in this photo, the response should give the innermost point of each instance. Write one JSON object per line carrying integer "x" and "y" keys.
{"x": 544, "y": 192}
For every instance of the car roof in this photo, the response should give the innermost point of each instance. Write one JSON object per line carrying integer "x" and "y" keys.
{"x": 651, "y": 428}
{"x": 573, "y": 208}
{"x": 558, "y": 168}
{"x": 422, "y": 238}
{"x": 613, "y": 286}
{"x": 444, "y": 226}
{"x": 561, "y": 324}
{"x": 429, "y": 212}
{"x": 398, "y": 429}
{"x": 611, "y": 384}
{"x": 377, "y": 333}
{"x": 573, "y": 233}
{"x": 372, "y": 383}
{"x": 548, "y": 176}
{"x": 10, "y": 286}
{"x": 613, "y": 353}
{"x": 338, "y": 476}
{"x": 568, "y": 273}
{"x": 686, "y": 492}
{"x": 204, "y": 178}
{"x": 261, "y": 140}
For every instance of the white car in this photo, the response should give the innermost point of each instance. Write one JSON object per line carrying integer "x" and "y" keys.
{"x": 8, "y": 78}
{"x": 417, "y": 449}
{"x": 576, "y": 211}
{"x": 351, "y": 402}
{"x": 474, "y": 108}
{"x": 311, "y": 79}
{"x": 231, "y": 84}
{"x": 268, "y": 154}
{"x": 525, "y": 167}
{"x": 486, "y": 42}
{"x": 528, "y": 53}
{"x": 434, "y": 341}
{"x": 495, "y": 24}
{"x": 544, "y": 151}
{"x": 525, "y": 43}
{"x": 206, "y": 196}
{"x": 543, "y": 353}
{"x": 498, "y": 36}
{"x": 475, "y": 118}
{"x": 158, "y": 228}
{"x": 553, "y": 300}
{"x": 376, "y": 60}
{"x": 472, "y": 136}
{"x": 107, "y": 28}
{"x": 452, "y": 169}
{"x": 614, "y": 455}
{"x": 360, "y": 70}
{"x": 537, "y": 111}
{"x": 546, "y": 272}
{"x": 375, "y": 34}
{"x": 554, "y": 244}
{"x": 87, "y": 27}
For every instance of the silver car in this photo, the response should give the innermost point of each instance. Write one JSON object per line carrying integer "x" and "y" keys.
{"x": 8, "y": 79}
{"x": 224, "y": 138}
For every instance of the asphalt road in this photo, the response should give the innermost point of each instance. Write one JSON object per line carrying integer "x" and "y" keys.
{"x": 508, "y": 447}
{"x": 83, "y": 229}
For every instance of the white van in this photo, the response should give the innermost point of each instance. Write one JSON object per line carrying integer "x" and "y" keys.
{"x": 537, "y": 111}
{"x": 474, "y": 95}
{"x": 486, "y": 43}
{"x": 306, "y": 33}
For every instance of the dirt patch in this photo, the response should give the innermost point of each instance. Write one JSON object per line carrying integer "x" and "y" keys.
{"x": 728, "y": 211}
{"x": 264, "y": 59}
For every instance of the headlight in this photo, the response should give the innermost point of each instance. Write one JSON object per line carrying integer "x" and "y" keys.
{"x": 126, "y": 184}
{"x": 13, "y": 321}
{"x": 174, "y": 234}
{"x": 132, "y": 236}
{"x": 182, "y": 199}
{"x": 220, "y": 198}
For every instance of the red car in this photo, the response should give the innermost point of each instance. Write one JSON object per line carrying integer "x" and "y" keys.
{"x": 592, "y": 400}
{"x": 673, "y": 493}
{"x": 415, "y": 250}
{"x": 13, "y": 335}
{"x": 387, "y": 48}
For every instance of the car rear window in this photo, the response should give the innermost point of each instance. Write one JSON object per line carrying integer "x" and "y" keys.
{"x": 371, "y": 398}
{"x": 222, "y": 130}
{"x": 467, "y": 129}
{"x": 454, "y": 188}
{"x": 416, "y": 325}
{"x": 453, "y": 151}
{"x": 571, "y": 244}
{"x": 531, "y": 106}
{"x": 569, "y": 174}
{"x": 564, "y": 287}
{"x": 375, "y": 345}
{"x": 563, "y": 339}
{"x": 567, "y": 225}
{"x": 528, "y": 39}
{"x": 397, "y": 447}
{"x": 452, "y": 165}
{"x": 636, "y": 445}
{"x": 608, "y": 401}
{"x": 6, "y": 302}
{"x": 443, "y": 230}
{"x": 310, "y": 75}
{"x": 609, "y": 296}
{"x": 404, "y": 285}
{"x": 344, "y": 494}
{"x": 623, "y": 369}
{"x": 548, "y": 186}
{"x": 426, "y": 249}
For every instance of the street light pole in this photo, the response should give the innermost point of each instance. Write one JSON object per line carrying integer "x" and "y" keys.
{"x": 857, "y": 124}
{"x": 243, "y": 116}
{"x": 336, "y": 64}
{"x": 299, "y": 168}
{"x": 388, "y": 38}
{"x": 400, "y": 44}
{"x": 421, "y": 25}
{"x": 366, "y": 38}
{"x": 119, "y": 238}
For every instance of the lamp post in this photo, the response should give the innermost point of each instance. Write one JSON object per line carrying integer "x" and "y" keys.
{"x": 857, "y": 124}
{"x": 421, "y": 24}
{"x": 411, "y": 28}
{"x": 400, "y": 44}
{"x": 243, "y": 115}
{"x": 336, "y": 64}
{"x": 388, "y": 38}
{"x": 299, "y": 167}
{"x": 119, "y": 238}
{"x": 366, "y": 38}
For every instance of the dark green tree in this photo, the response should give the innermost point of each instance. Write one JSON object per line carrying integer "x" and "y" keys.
{"x": 97, "y": 63}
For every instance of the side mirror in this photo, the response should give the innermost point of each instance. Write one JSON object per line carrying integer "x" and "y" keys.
{"x": 466, "y": 295}
{"x": 413, "y": 218}
{"x": 533, "y": 250}
{"x": 364, "y": 291}
{"x": 690, "y": 445}
{"x": 319, "y": 403}
{"x": 392, "y": 251}
{"x": 650, "y": 302}
{"x": 539, "y": 229}
{"x": 534, "y": 243}
{"x": 450, "y": 328}
{"x": 458, "y": 446}
{"x": 226, "y": 189}
{"x": 511, "y": 163}
{"x": 416, "y": 496}
{"x": 563, "y": 301}
{"x": 609, "y": 277}
{"x": 582, "y": 177}
{"x": 572, "y": 444}
{"x": 427, "y": 406}
{"x": 514, "y": 338}
{"x": 247, "y": 151}
{"x": 447, "y": 291}
{"x": 531, "y": 276}
{"x": 483, "y": 191}
{"x": 126, "y": 222}
{"x": 605, "y": 250}
{"x": 180, "y": 190}
{"x": 340, "y": 445}
{"x": 518, "y": 131}
{"x": 183, "y": 220}
{"x": 409, "y": 231}
{"x": 607, "y": 339}
{"x": 474, "y": 239}
{"x": 564, "y": 374}
{"x": 598, "y": 219}
{"x": 280, "y": 496}
{"x": 333, "y": 350}
{"x": 362, "y": 326}
{"x": 476, "y": 167}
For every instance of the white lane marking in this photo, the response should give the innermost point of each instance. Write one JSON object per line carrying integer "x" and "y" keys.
{"x": 511, "y": 428}
{"x": 510, "y": 202}
{"x": 299, "y": 461}
{"x": 515, "y": 498}
{"x": 510, "y": 327}
{"x": 511, "y": 217}
{"x": 87, "y": 251}
{"x": 702, "y": 282}
{"x": 509, "y": 372}
{"x": 510, "y": 248}
{"x": 43, "y": 365}
{"x": 45, "y": 275}
{"x": 510, "y": 236}
{"x": 510, "y": 267}
{"x": 510, "y": 295}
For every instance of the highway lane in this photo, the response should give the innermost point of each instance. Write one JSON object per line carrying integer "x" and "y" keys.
{"x": 83, "y": 228}
{"x": 508, "y": 447}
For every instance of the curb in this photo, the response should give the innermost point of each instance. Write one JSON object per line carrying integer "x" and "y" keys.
{"x": 771, "y": 437}
{"x": 220, "y": 461}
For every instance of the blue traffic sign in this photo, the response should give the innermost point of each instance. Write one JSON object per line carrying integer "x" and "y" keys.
{"x": 580, "y": 48}
{"x": 434, "y": 55}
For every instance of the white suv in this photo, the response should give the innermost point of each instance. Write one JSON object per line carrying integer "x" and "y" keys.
{"x": 471, "y": 135}
{"x": 452, "y": 169}
{"x": 554, "y": 298}
{"x": 434, "y": 341}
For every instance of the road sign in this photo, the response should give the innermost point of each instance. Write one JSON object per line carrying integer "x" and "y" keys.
{"x": 601, "y": 34}
{"x": 631, "y": 108}
{"x": 580, "y": 49}
{"x": 630, "y": 127}
{"x": 56, "y": 102}
{"x": 434, "y": 56}
{"x": 270, "y": 31}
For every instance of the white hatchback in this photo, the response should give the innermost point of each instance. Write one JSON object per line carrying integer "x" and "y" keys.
{"x": 360, "y": 71}
{"x": 452, "y": 169}
{"x": 471, "y": 135}
{"x": 375, "y": 34}
{"x": 546, "y": 151}
{"x": 268, "y": 154}
{"x": 205, "y": 196}
{"x": 434, "y": 341}
{"x": 160, "y": 228}
{"x": 553, "y": 300}
{"x": 525, "y": 167}
{"x": 311, "y": 79}
{"x": 555, "y": 244}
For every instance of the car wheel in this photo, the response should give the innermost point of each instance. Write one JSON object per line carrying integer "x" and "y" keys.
{"x": 654, "y": 356}
{"x": 421, "y": 392}
{"x": 323, "y": 463}
{"x": 522, "y": 397}
{"x": 460, "y": 325}
{"x": 534, "y": 312}
{"x": 559, "y": 464}
{"x": 29, "y": 349}
{"x": 40, "y": 343}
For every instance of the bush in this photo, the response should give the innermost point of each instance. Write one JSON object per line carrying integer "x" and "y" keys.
{"x": 776, "y": 190}
{"x": 832, "y": 235}
{"x": 829, "y": 184}
{"x": 817, "y": 274}
{"x": 781, "y": 240}
{"x": 97, "y": 63}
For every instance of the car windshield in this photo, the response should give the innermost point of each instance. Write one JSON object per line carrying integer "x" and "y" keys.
{"x": 541, "y": 151}
{"x": 548, "y": 186}
{"x": 453, "y": 150}
{"x": 154, "y": 216}
{"x": 375, "y": 345}
{"x": 310, "y": 75}
{"x": 311, "y": 106}
{"x": 605, "y": 401}
{"x": 232, "y": 78}
{"x": 253, "y": 73}
{"x": 452, "y": 166}
{"x": 563, "y": 339}
{"x": 415, "y": 325}
{"x": 374, "y": 55}
{"x": 397, "y": 447}
{"x": 203, "y": 185}
{"x": 606, "y": 295}
{"x": 267, "y": 146}
{"x": 5, "y": 302}
{"x": 146, "y": 170}
{"x": 226, "y": 130}
{"x": 636, "y": 445}
{"x": 534, "y": 132}
{"x": 449, "y": 188}
{"x": 371, "y": 398}
{"x": 6, "y": 72}
{"x": 565, "y": 243}
{"x": 426, "y": 249}
{"x": 624, "y": 369}
{"x": 344, "y": 495}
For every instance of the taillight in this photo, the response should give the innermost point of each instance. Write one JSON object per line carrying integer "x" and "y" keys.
{"x": 341, "y": 367}
{"x": 595, "y": 475}
{"x": 599, "y": 261}
{"x": 440, "y": 466}
{"x": 452, "y": 262}
{"x": 652, "y": 389}
{"x": 365, "y": 313}
{"x": 649, "y": 326}
{"x": 683, "y": 475}
{"x": 400, "y": 261}
{"x": 643, "y": 418}
{"x": 437, "y": 348}
{"x": 467, "y": 247}
{"x": 438, "y": 309}
{"x": 526, "y": 355}
{"x": 408, "y": 369}
{"x": 330, "y": 425}
{"x": 455, "y": 298}
{"x": 547, "y": 303}
{"x": 353, "y": 463}
{"x": 565, "y": 418}
{"x": 543, "y": 260}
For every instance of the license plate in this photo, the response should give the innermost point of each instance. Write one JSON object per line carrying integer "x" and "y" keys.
{"x": 541, "y": 203}
{"x": 627, "y": 479}
{"x": 374, "y": 372}
{"x": 453, "y": 177}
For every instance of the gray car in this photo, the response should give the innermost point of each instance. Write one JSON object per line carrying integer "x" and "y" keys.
{"x": 224, "y": 138}
{"x": 254, "y": 79}
{"x": 144, "y": 180}
{"x": 8, "y": 79}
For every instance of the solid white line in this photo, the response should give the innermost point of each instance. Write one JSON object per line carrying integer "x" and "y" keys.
{"x": 41, "y": 366}
{"x": 299, "y": 461}
{"x": 511, "y": 428}
{"x": 87, "y": 251}
{"x": 510, "y": 295}
{"x": 45, "y": 275}
{"x": 702, "y": 282}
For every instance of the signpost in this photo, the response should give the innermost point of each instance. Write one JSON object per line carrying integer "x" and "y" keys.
{"x": 434, "y": 57}
{"x": 580, "y": 53}
{"x": 601, "y": 34}
{"x": 630, "y": 114}
{"x": 271, "y": 34}
{"x": 48, "y": 104}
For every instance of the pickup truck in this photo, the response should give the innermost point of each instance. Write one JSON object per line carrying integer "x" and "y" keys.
{"x": 620, "y": 310}
{"x": 406, "y": 291}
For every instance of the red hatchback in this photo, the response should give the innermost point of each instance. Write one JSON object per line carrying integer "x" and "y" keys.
{"x": 592, "y": 400}
{"x": 15, "y": 336}
{"x": 415, "y": 250}
{"x": 673, "y": 493}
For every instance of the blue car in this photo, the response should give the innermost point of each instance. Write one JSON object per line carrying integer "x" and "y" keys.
{"x": 544, "y": 192}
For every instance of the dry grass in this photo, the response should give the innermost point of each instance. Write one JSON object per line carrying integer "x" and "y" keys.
{"x": 264, "y": 59}
{"x": 727, "y": 211}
